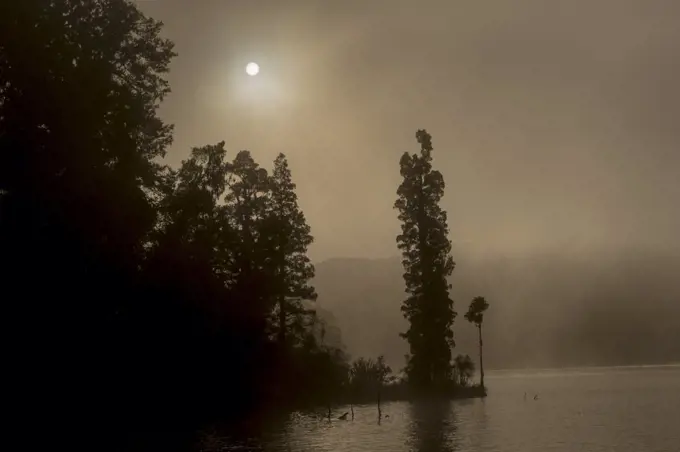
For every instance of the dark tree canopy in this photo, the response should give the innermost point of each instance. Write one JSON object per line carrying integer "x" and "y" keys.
{"x": 290, "y": 236}
{"x": 427, "y": 263}
{"x": 245, "y": 210}
{"x": 80, "y": 82}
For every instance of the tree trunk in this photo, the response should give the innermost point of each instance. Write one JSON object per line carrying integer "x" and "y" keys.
{"x": 481, "y": 357}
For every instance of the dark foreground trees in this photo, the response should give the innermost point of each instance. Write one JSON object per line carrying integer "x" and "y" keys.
{"x": 427, "y": 264}
{"x": 79, "y": 135}
{"x": 233, "y": 234}
{"x": 138, "y": 295}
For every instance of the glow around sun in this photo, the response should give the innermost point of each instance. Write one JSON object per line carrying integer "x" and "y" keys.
{"x": 252, "y": 69}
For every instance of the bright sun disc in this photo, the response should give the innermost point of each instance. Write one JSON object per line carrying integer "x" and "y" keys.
{"x": 252, "y": 69}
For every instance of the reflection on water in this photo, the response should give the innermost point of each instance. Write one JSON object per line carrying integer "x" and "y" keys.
{"x": 432, "y": 426}
{"x": 629, "y": 410}
{"x": 423, "y": 427}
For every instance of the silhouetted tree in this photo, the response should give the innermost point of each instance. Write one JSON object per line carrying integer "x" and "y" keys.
{"x": 189, "y": 249}
{"x": 475, "y": 315}
{"x": 427, "y": 263}
{"x": 289, "y": 236}
{"x": 79, "y": 87}
{"x": 219, "y": 224}
{"x": 246, "y": 207}
{"x": 463, "y": 369}
{"x": 190, "y": 214}
{"x": 80, "y": 84}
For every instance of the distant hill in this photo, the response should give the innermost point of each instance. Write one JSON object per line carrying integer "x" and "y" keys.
{"x": 546, "y": 309}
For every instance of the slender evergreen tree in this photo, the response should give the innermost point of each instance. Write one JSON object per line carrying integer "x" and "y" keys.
{"x": 427, "y": 264}
{"x": 289, "y": 237}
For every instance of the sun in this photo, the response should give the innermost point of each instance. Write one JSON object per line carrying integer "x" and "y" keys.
{"x": 252, "y": 69}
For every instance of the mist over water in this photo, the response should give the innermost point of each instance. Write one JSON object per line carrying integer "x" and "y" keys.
{"x": 626, "y": 409}
{"x": 548, "y": 310}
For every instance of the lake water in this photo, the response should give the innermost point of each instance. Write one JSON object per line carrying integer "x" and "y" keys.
{"x": 597, "y": 409}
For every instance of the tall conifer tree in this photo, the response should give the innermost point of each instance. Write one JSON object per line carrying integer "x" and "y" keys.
{"x": 427, "y": 264}
{"x": 290, "y": 236}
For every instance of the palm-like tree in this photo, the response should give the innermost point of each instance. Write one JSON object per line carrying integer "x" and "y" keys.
{"x": 475, "y": 314}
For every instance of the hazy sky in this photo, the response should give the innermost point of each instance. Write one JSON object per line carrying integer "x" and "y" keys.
{"x": 555, "y": 123}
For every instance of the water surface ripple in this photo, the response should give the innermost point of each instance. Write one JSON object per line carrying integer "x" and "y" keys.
{"x": 594, "y": 410}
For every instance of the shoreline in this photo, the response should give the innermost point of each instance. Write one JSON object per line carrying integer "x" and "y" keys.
{"x": 399, "y": 394}
{"x": 494, "y": 373}
{"x": 247, "y": 425}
